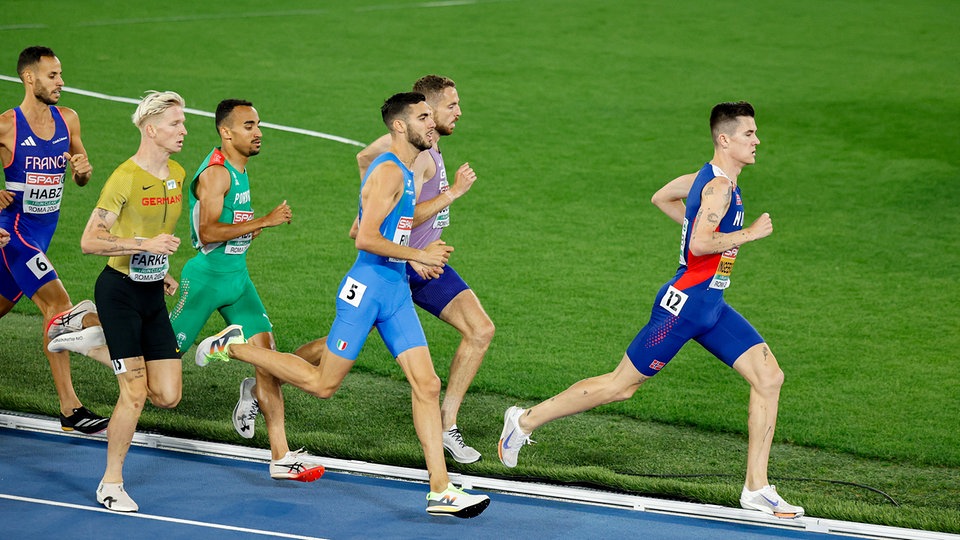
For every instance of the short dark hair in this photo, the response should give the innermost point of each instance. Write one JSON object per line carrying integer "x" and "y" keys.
{"x": 724, "y": 113}
{"x": 433, "y": 85}
{"x": 225, "y": 107}
{"x": 31, "y": 55}
{"x": 396, "y": 105}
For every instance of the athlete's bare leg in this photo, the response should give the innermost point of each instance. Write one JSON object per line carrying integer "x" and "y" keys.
{"x": 759, "y": 367}
{"x": 321, "y": 380}
{"x": 52, "y": 299}
{"x": 270, "y": 398}
{"x": 158, "y": 380}
{"x": 618, "y": 385}
{"x": 465, "y": 314}
{"x": 425, "y": 393}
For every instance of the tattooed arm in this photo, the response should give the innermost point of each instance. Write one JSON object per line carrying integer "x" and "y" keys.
{"x": 98, "y": 240}
{"x": 714, "y": 202}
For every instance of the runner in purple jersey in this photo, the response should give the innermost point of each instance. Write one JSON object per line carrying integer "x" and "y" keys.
{"x": 38, "y": 140}
{"x": 440, "y": 291}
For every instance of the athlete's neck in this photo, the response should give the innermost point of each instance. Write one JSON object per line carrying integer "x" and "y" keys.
{"x": 153, "y": 159}
{"x": 236, "y": 159}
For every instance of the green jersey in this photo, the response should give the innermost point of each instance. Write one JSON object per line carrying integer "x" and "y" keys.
{"x": 232, "y": 254}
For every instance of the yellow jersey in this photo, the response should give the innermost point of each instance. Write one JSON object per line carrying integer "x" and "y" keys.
{"x": 145, "y": 207}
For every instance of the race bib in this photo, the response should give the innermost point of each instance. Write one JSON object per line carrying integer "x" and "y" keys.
{"x": 119, "y": 366}
{"x": 148, "y": 266}
{"x": 239, "y": 245}
{"x": 721, "y": 280}
{"x": 402, "y": 235}
{"x": 39, "y": 264}
{"x": 352, "y": 292}
{"x": 673, "y": 301}
{"x": 442, "y": 218}
{"x": 42, "y": 193}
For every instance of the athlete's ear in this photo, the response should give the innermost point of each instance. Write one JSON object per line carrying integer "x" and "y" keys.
{"x": 723, "y": 140}
{"x": 399, "y": 125}
{"x": 225, "y": 133}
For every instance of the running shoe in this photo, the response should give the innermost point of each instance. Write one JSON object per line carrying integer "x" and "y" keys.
{"x": 70, "y": 320}
{"x": 247, "y": 409}
{"x": 512, "y": 438}
{"x": 84, "y": 421}
{"x": 79, "y": 342}
{"x": 456, "y": 502}
{"x": 453, "y": 443}
{"x": 766, "y": 499}
{"x": 115, "y": 498}
{"x": 215, "y": 346}
{"x": 296, "y": 465}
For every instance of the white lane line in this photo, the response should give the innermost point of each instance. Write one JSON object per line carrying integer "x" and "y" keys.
{"x": 198, "y": 112}
{"x": 158, "y": 518}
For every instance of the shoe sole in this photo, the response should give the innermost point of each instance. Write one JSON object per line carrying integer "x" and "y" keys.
{"x": 308, "y": 475}
{"x": 65, "y": 428}
{"x": 464, "y": 461}
{"x": 463, "y": 513}
{"x": 503, "y": 435}
{"x": 768, "y": 511}
{"x": 236, "y": 410}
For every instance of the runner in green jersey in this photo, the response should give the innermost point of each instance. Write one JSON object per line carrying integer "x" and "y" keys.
{"x": 222, "y": 225}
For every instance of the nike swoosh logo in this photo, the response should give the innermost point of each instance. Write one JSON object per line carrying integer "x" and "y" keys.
{"x": 772, "y": 503}
{"x": 147, "y": 187}
{"x": 506, "y": 442}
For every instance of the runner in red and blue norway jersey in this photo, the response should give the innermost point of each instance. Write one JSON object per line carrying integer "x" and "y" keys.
{"x": 691, "y": 305}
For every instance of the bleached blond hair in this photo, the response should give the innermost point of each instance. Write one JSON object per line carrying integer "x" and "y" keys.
{"x": 154, "y": 104}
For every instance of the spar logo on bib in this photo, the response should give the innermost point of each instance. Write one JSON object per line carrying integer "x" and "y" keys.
{"x": 402, "y": 236}
{"x": 42, "y": 193}
{"x": 239, "y": 245}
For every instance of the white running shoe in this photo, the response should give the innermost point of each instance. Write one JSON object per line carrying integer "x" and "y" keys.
{"x": 215, "y": 346}
{"x": 247, "y": 409}
{"x": 115, "y": 498}
{"x": 766, "y": 499}
{"x": 70, "y": 320}
{"x": 79, "y": 342}
{"x": 512, "y": 438}
{"x": 456, "y": 502}
{"x": 296, "y": 465}
{"x": 453, "y": 443}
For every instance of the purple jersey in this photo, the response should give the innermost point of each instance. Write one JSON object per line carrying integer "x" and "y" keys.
{"x": 35, "y": 176}
{"x": 430, "y": 230}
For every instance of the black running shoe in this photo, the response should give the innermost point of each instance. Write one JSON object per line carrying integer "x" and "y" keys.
{"x": 84, "y": 421}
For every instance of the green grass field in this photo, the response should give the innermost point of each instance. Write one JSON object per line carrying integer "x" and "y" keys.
{"x": 574, "y": 114}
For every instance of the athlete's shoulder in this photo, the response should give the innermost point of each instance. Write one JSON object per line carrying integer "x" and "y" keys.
{"x": 216, "y": 158}
{"x": 176, "y": 170}
{"x": 69, "y": 115}
{"x": 8, "y": 121}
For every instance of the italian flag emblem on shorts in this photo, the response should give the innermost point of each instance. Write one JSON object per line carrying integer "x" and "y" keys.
{"x": 341, "y": 345}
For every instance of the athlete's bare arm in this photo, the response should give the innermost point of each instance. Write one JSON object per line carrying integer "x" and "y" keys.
{"x": 8, "y": 122}
{"x": 79, "y": 164}
{"x": 98, "y": 240}
{"x": 366, "y": 156}
{"x": 714, "y": 202}
{"x": 379, "y": 196}
{"x": 464, "y": 180}
{"x": 212, "y": 185}
{"x": 669, "y": 198}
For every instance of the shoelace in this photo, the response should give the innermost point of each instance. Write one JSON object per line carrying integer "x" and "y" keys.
{"x": 251, "y": 415}
{"x": 457, "y": 436}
